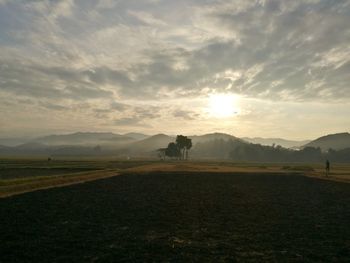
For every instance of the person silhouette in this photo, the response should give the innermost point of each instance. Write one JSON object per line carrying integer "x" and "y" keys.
{"x": 327, "y": 168}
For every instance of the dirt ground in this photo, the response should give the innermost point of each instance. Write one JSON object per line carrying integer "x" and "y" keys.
{"x": 339, "y": 172}
{"x": 181, "y": 213}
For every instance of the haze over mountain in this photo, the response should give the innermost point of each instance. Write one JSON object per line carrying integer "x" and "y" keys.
{"x": 277, "y": 141}
{"x": 336, "y": 141}
{"x": 150, "y": 144}
{"x": 110, "y": 143}
{"x": 219, "y": 146}
{"x": 212, "y": 136}
{"x": 14, "y": 141}
{"x": 136, "y": 135}
{"x": 84, "y": 138}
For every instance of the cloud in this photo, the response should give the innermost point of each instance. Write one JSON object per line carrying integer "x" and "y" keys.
{"x": 24, "y": 78}
{"x": 130, "y": 122}
{"x": 260, "y": 43}
{"x": 187, "y": 115}
{"x": 125, "y": 60}
{"x": 52, "y": 106}
{"x": 147, "y": 18}
{"x": 118, "y": 106}
{"x": 284, "y": 40}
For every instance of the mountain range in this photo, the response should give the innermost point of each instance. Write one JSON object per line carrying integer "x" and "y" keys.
{"x": 336, "y": 141}
{"x": 214, "y": 145}
{"x": 277, "y": 141}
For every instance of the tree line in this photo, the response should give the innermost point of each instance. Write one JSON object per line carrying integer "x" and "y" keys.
{"x": 178, "y": 149}
{"x": 238, "y": 150}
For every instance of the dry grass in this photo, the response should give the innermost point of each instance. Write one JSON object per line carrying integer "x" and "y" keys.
{"x": 200, "y": 167}
{"x": 339, "y": 172}
{"x": 24, "y": 185}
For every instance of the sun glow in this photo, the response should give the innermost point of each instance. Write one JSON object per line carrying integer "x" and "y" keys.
{"x": 222, "y": 105}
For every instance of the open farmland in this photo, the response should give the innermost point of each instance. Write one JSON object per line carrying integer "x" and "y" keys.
{"x": 181, "y": 212}
{"x": 25, "y": 175}
{"x": 24, "y": 168}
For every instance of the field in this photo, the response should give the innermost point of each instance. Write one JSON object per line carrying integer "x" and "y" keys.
{"x": 180, "y": 212}
{"x": 24, "y": 168}
{"x": 25, "y": 175}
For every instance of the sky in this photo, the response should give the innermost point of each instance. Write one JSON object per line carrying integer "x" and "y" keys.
{"x": 264, "y": 68}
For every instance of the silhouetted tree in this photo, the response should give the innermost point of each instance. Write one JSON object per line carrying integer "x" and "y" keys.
{"x": 181, "y": 142}
{"x": 184, "y": 145}
{"x": 188, "y": 146}
{"x": 173, "y": 150}
{"x": 161, "y": 153}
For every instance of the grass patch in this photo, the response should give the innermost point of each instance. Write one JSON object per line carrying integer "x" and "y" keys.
{"x": 23, "y": 172}
{"x": 23, "y": 168}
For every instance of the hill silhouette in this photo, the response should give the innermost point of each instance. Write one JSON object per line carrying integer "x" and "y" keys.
{"x": 336, "y": 141}
{"x": 277, "y": 141}
{"x": 136, "y": 135}
{"x": 83, "y": 138}
{"x": 213, "y": 146}
{"x": 211, "y": 137}
{"x": 150, "y": 144}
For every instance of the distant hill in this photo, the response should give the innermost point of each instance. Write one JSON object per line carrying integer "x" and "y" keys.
{"x": 151, "y": 143}
{"x": 90, "y": 143}
{"x": 24, "y": 149}
{"x": 4, "y": 147}
{"x": 136, "y": 136}
{"x": 215, "y": 145}
{"x": 277, "y": 141}
{"x": 211, "y": 137}
{"x": 13, "y": 141}
{"x": 207, "y": 146}
{"x": 38, "y": 149}
{"x": 79, "y": 143}
{"x": 84, "y": 138}
{"x": 31, "y": 145}
{"x": 336, "y": 141}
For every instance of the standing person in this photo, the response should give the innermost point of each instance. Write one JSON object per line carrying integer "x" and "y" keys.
{"x": 327, "y": 168}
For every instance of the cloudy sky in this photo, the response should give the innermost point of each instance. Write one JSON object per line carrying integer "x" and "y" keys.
{"x": 249, "y": 68}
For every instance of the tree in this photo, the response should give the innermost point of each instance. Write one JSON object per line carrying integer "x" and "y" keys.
{"x": 184, "y": 145}
{"x": 161, "y": 153}
{"x": 173, "y": 150}
{"x": 181, "y": 143}
{"x": 188, "y": 146}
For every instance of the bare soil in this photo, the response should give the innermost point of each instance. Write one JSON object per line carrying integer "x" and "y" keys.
{"x": 183, "y": 216}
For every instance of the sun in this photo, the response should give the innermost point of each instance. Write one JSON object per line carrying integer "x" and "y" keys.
{"x": 222, "y": 105}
